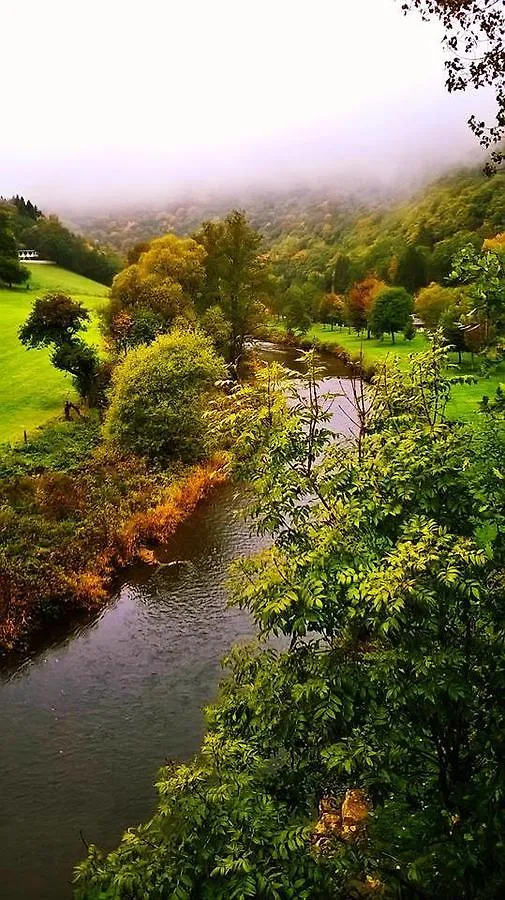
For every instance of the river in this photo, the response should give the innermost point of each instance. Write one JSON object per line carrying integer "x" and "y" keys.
{"x": 89, "y": 716}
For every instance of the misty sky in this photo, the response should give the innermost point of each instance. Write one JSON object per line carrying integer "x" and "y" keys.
{"x": 110, "y": 101}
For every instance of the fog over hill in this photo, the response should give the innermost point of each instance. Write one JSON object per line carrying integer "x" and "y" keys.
{"x": 177, "y": 101}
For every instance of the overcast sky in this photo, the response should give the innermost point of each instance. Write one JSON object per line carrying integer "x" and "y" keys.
{"x": 112, "y": 100}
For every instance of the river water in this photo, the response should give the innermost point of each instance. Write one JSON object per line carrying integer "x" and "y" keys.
{"x": 88, "y": 718}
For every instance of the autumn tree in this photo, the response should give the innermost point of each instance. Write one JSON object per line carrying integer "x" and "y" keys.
{"x": 54, "y": 319}
{"x": 360, "y": 301}
{"x": 332, "y": 310}
{"x": 433, "y": 300}
{"x": 162, "y": 285}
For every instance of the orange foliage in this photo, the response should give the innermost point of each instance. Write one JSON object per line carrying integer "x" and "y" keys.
{"x": 78, "y": 576}
{"x": 156, "y": 524}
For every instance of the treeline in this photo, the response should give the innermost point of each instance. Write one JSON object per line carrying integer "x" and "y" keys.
{"x": 46, "y": 234}
{"x": 409, "y": 245}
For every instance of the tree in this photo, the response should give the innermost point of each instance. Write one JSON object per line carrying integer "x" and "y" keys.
{"x": 332, "y": 310}
{"x": 54, "y": 319}
{"x": 474, "y": 39}
{"x": 216, "y": 326}
{"x": 53, "y": 241}
{"x": 432, "y": 301}
{"x": 484, "y": 273}
{"x": 296, "y": 310}
{"x": 411, "y": 271}
{"x": 11, "y": 271}
{"x": 453, "y": 329}
{"x": 341, "y": 274}
{"x": 135, "y": 252}
{"x": 440, "y": 264}
{"x": 161, "y": 286}
{"x": 90, "y": 377}
{"x": 159, "y": 396}
{"x": 237, "y": 276}
{"x": 391, "y": 311}
{"x": 360, "y": 301}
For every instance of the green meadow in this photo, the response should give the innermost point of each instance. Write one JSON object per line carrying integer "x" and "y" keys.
{"x": 31, "y": 390}
{"x": 465, "y": 398}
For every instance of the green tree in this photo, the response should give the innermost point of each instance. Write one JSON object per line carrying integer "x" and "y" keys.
{"x": 297, "y": 310}
{"x": 159, "y": 396}
{"x": 433, "y": 300}
{"x": 342, "y": 274}
{"x": 453, "y": 329}
{"x": 411, "y": 270}
{"x": 54, "y": 319}
{"x": 391, "y": 311}
{"x": 484, "y": 273}
{"x": 11, "y": 271}
{"x": 237, "y": 276}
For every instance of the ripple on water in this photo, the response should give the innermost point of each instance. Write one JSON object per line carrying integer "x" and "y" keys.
{"x": 87, "y": 720}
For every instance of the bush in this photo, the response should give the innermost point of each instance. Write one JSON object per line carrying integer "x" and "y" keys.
{"x": 159, "y": 394}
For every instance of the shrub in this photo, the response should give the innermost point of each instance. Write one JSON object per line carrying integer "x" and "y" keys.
{"x": 159, "y": 394}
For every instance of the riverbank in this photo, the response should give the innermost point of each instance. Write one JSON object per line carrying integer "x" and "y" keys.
{"x": 74, "y": 512}
{"x": 368, "y": 355}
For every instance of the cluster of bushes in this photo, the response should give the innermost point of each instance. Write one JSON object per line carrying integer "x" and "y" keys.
{"x": 85, "y": 495}
{"x": 73, "y": 508}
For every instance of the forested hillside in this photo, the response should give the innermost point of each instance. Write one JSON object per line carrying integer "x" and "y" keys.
{"x": 307, "y": 229}
{"x": 45, "y": 233}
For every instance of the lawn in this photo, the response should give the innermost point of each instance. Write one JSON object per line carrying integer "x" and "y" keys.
{"x": 465, "y": 398}
{"x": 31, "y": 390}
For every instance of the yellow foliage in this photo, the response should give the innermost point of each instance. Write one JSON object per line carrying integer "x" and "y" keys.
{"x": 496, "y": 243}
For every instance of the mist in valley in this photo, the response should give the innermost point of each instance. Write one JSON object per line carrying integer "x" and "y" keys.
{"x": 138, "y": 108}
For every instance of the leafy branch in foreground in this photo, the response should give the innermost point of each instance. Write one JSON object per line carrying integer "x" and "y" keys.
{"x": 475, "y": 42}
{"x": 386, "y": 577}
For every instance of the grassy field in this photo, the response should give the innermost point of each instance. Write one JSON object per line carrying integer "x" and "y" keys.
{"x": 464, "y": 397}
{"x": 31, "y": 390}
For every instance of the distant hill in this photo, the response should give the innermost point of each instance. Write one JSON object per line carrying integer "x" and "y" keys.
{"x": 372, "y": 227}
{"x": 31, "y": 389}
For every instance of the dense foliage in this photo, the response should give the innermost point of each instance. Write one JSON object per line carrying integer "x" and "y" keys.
{"x": 218, "y": 276}
{"x": 35, "y": 231}
{"x": 386, "y": 576}
{"x": 55, "y": 321}
{"x": 236, "y": 277}
{"x": 159, "y": 394}
{"x": 11, "y": 271}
